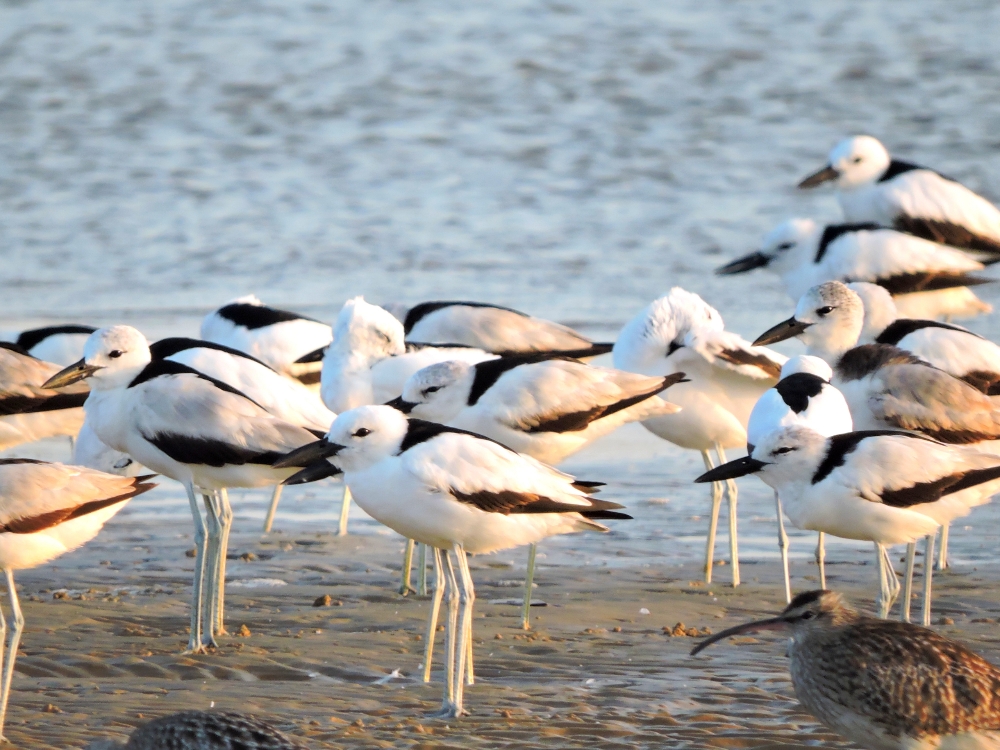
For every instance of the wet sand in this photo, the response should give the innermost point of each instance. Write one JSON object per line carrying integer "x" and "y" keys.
{"x": 106, "y": 626}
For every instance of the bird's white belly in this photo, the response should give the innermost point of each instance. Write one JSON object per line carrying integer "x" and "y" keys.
{"x": 848, "y": 516}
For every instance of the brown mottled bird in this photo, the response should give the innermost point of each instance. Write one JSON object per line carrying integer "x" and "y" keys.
{"x": 884, "y": 685}
{"x": 204, "y": 730}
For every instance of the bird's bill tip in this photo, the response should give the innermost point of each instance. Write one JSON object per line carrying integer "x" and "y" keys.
{"x": 308, "y": 454}
{"x": 71, "y": 374}
{"x": 826, "y": 174}
{"x": 399, "y": 404}
{"x": 786, "y": 329}
{"x": 313, "y": 473}
{"x": 774, "y": 623}
{"x": 746, "y": 263}
{"x": 741, "y": 467}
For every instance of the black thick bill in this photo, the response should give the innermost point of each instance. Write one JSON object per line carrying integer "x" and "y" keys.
{"x": 400, "y": 405}
{"x": 786, "y": 329}
{"x": 826, "y": 174}
{"x": 732, "y": 470}
{"x": 313, "y": 473}
{"x": 744, "y": 264}
{"x": 308, "y": 454}
{"x": 72, "y": 374}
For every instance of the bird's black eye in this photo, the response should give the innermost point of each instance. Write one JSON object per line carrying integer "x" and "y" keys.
{"x": 856, "y": 160}
{"x": 115, "y": 353}
{"x": 785, "y": 449}
{"x": 362, "y": 432}
{"x": 808, "y": 615}
{"x": 786, "y": 246}
{"x": 432, "y": 389}
{"x": 823, "y": 311}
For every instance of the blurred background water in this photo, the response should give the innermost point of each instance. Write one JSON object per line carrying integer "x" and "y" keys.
{"x": 567, "y": 158}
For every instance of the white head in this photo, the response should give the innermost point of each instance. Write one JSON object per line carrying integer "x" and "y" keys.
{"x": 438, "y": 392}
{"x": 367, "y": 330}
{"x": 854, "y": 162}
{"x": 112, "y": 357}
{"x": 828, "y": 320}
{"x": 360, "y": 438}
{"x": 806, "y": 363}
{"x": 880, "y": 310}
{"x": 784, "y": 457}
{"x": 651, "y": 336}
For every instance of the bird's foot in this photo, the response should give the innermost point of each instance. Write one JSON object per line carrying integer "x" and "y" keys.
{"x": 447, "y": 711}
{"x": 404, "y": 590}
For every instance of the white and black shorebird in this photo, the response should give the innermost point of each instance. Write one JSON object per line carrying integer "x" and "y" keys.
{"x": 884, "y": 685}
{"x": 802, "y": 397}
{"x": 928, "y": 280}
{"x": 287, "y": 342}
{"x": 46, "y": 510}
{"x": 493, "y": 328}
{"x": 190, "y": 427}
{"x": 59, "y": 344}
{"x": 28, "y": 410}
{"x": 883, "y": 486}
{"x": 680, "y": 332}
{"x": 285, "y": 398}
{"x": 872, "y": 186}
{"x": 544, "y": 408}
{"x": 458, "y": 493}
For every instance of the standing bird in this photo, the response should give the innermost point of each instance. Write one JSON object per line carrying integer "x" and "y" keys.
{"x": 544, "y": 408}
{"x": 680, "y": 332}
{"x": 928, "y": 280}
{"x": 883, "y": 685}
{"x": 494, "y": 329}
{"x": 369, "y": 362}
{"x": 872, "y": 186}
{"x": 190, "y": 427}
{"x": 883, "y": 486}
{"x": 46, "y": 510}
{"x": 206, "y": 730}
{"x": 456, "y": 492}
{"x": 28, "y": 410}
{"x": 287, "y": 342}
{"x": 802, "y": 397}
{"x": 60, "y": 344}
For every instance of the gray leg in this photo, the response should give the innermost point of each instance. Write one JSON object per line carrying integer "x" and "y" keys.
{"x": 904, "y": 609}
{"x": 734, "y": 539}
{"x": 422, "y": 570}
{"x": 821, "y": 558}
{"x": 783, "y": 546}
{"x": 345, "y": 509}
{"x": 928, "y": 574}
{"x": 14, "y": 638}
{"x": 450, "y": 637}
{"x": 404, "y": 584}
{"x": 272, "y": 508}
{"x": 529, "y": 580}
{"x": 883, "y": 596}
{"x": 713, "y": 521}
{"x": 439, "y": 587}
{"x": 891, "y": 580}
{"x": 3, "y": 696}
{"x": 465, "y": 628}
{"x": 942, "y": 563}
{"x": 208, "y": 595}
{"x": 226, "y": 521}
{"x": 195, "y": 645}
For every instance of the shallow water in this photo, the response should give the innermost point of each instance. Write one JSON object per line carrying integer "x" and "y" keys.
{"x": 571, "y": 159}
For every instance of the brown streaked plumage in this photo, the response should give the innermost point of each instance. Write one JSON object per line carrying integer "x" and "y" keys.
{"x": 206, "y": 730}
{"x": 884, "y": 685}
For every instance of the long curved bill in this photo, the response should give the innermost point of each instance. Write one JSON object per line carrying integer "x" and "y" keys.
{"x": 744, "y": 264}
{"x": 308, "y": 454}
{"x": 72, "y": 374}
{"x": 741, "y": 467}
{"x": 786, "y": 329}
{"x": 826, "y": 174}
{"x": 774, "y": 623}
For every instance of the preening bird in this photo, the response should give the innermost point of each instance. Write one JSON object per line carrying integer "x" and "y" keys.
{"x": 680, "y": 332}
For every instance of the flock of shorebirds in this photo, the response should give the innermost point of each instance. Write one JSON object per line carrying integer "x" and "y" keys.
{"x": 445, "y": 420}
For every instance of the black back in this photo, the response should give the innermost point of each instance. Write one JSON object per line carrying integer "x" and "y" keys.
{"x": 832, "y": 231}
{"x": 903, "y": 327}
{"x": 164, "y": 367}
{"x": 488, "y": 373}
{"x": 31, "y": 338}
{"x": 257, "y": 316}
{"x": 417, "y": 312}
{"x": 168, "y": 347}
{"x": 797, "y": 389}
{"x": 841, "y": 446}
